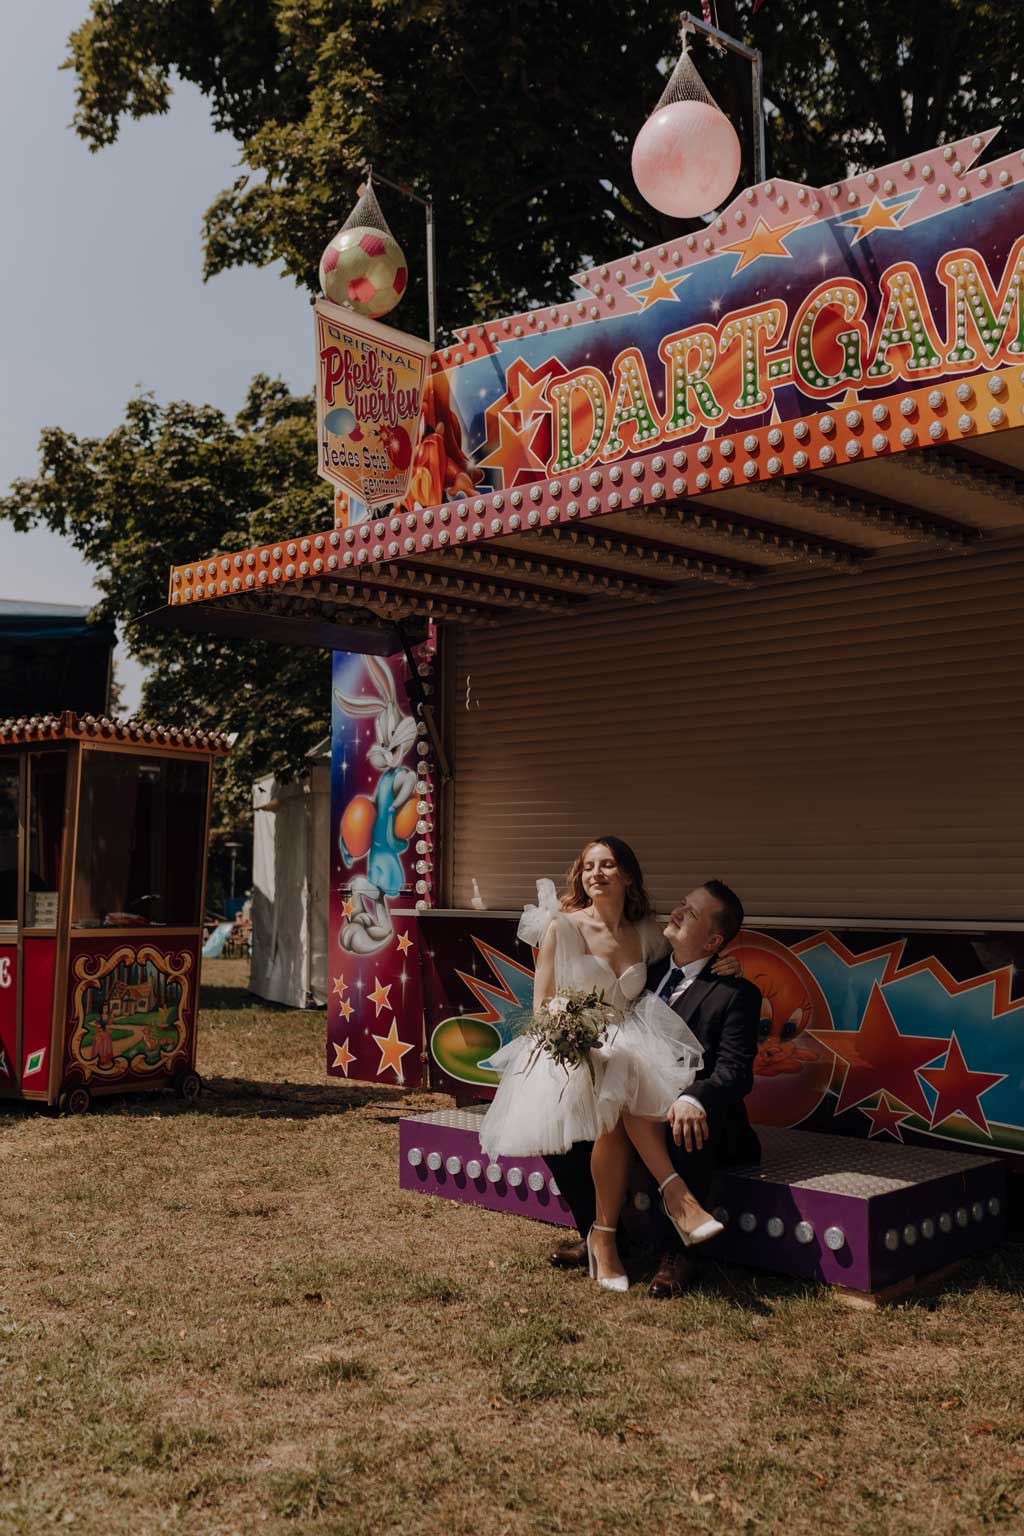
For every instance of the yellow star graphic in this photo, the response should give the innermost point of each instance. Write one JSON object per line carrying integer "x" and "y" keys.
{"x": 340, "y": 986}
{"x": 391, "y": 1051}
{"x": 404, "y": 943}
{"x": 875, "y": 217}
{"x": 659, "y": 288}
{"x": 343, "y": 1057}
{"x": 514, "y": 454}
{"x": 529, "y": 400}
{"x": 346, "y": 1010}
{"x": 347, "y": 907}
{"x": 380, "y": 996}
{"x": 763, "y": 240}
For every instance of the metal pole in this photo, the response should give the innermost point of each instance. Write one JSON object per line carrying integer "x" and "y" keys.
{"x": 431, "y": 278}
{"x": 757, "y": 69}
{"x": 427, "y": 204}
{"x": 724, "y": 40}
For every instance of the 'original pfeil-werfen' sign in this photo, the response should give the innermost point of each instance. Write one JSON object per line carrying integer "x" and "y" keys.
{"x": 369, "y": 398}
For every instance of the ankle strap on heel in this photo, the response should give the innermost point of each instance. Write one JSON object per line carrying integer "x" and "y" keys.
{"x": 597, "y": 1227}
{"x": 664, "y": 1182}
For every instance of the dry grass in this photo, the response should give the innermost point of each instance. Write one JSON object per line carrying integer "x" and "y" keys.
{"x": 229, "y": 1317}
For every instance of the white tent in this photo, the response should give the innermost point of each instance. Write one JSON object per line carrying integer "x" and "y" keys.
{"x": 291, "y": 883}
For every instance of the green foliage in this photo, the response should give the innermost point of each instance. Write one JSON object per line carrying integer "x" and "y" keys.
{"x": 519, "y": 116}
{"x": 172, "y": 482}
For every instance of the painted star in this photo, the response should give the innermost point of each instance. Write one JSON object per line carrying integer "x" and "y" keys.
{"x": 875, "y": 217}
{"x": 345, "y": 1008}
{"x": 347, "y": 907}
{"x": 404, "y": 943}
{"x": 763, "y": 240}
{"x": 886, "y": 1118}
{"x": 658, "y": 288}
{"x": 391, "y": 1051}
{"x": 529, "y": 400}
{"x": 340, "y": 986}
{"x": 343, "y": 1057}
{"x": 380, "y": 997}
{"x": 849, "y": 401}
{"x": 878, "y": 1057}
{"x": 514, "y": 455}
{"x": 959, "y": 1090}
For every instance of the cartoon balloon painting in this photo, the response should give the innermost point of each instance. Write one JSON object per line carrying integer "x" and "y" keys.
{"x": 357, "y": 825}
{"x": 339, "y": 421}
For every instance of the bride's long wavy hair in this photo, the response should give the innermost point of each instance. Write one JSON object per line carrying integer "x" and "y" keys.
{"x": 638, "y": 903}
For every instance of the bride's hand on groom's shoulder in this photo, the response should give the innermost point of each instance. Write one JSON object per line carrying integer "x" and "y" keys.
{"x": 727, "y": 965}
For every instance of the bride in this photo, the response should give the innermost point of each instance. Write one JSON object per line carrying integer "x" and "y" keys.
{"x": 602, "y": 934}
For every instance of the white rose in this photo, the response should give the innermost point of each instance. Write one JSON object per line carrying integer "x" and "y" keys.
{"x": 558, "y": 1005}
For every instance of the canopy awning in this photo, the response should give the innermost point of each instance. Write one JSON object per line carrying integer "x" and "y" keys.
{"x": 301, "y": 615}
{"x": 733, "y": 511}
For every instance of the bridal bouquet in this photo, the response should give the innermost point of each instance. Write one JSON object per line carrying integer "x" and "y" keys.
{"x": 568, "y": 1027}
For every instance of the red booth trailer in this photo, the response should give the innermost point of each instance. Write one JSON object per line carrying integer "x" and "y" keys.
{"x": 738, "y": 577}
{"x": 103, "y": 831}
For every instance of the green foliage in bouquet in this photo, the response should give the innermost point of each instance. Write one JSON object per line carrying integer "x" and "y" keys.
{"x": 568, "y": 1027}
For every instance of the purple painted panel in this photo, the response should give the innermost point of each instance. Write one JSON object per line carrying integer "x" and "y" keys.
{"x": 818, "y": 1208}
{"x": 440, "y": 1155}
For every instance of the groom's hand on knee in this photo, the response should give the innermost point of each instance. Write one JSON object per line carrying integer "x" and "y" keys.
{"x": 689, "y": 1124}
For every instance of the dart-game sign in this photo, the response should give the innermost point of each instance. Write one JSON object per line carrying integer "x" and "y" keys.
{"x": 369, "y": 398}
{"x": 793, "y": 298}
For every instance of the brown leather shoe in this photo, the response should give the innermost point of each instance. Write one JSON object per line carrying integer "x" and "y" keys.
{"x": 569, "y": 1256}
{"x": 671, "y": 1278}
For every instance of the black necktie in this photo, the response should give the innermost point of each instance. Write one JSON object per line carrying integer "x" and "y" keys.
{"x": 672, "y": 980}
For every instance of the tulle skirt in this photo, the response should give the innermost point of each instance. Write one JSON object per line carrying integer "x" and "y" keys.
{"x": 647, "y": 1061}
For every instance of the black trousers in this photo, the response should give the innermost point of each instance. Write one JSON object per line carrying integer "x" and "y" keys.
{"x": 572, "y": 1172}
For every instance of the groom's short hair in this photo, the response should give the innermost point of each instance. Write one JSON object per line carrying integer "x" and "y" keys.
{"x": 728, "y": 920}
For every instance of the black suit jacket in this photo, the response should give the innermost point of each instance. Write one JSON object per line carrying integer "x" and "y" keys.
{"x": 723, "y": 1012}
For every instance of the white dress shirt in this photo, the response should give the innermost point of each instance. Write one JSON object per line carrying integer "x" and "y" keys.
{"x": 691, "y": 970}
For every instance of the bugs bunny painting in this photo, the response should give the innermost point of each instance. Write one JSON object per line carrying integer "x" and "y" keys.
{"x": 369, "y": 928}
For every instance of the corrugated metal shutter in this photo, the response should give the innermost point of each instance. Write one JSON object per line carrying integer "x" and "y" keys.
{"x": 842, "y": 747}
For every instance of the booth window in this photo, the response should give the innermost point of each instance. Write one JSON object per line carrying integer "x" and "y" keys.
{"x": 9, "y": 779}
{"x": 141, "y": 841}
{"x": 47, "y": 776}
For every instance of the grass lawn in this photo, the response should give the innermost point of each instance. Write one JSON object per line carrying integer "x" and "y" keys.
{"x": 228, "y": 1318}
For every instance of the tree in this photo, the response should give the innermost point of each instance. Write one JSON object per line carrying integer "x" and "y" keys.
{"x": 519, "y": 116}
{"x": 170, "y": 482}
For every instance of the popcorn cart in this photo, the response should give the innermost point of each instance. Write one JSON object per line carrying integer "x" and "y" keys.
{"x": 103, "y": 835}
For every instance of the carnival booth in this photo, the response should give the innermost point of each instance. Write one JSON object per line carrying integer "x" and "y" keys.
{"x": 724, "y": 554}
{"x": 103, "y": 832}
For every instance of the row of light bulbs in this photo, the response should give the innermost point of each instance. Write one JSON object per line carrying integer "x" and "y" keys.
{"x": 474, "y": 1169}
{"x": 833, "y": 1237}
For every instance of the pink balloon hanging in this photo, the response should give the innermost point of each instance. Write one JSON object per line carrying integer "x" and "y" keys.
{"x": 686, "y": 157}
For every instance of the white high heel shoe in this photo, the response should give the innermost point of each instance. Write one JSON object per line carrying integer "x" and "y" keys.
{"x": 701, "y": 1234}
{"x": 610, "y": 1282}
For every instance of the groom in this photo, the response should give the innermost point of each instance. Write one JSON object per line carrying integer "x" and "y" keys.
{"x": 707, "y": 1125}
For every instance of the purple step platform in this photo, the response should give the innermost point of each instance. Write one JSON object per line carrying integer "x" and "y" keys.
{"x": 860, "y": 1214}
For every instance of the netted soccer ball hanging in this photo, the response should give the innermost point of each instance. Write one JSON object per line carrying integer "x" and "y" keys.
{"x": 364, "y": 268}
{"x": 686, "y": 157}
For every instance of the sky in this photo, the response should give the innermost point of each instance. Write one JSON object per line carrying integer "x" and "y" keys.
{"x": 101, "y": 290}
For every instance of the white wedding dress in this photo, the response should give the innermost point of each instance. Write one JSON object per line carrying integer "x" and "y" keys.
{"x": 648, "y": 1059}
